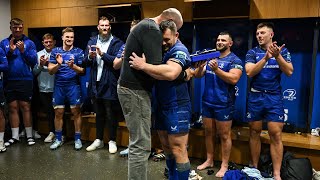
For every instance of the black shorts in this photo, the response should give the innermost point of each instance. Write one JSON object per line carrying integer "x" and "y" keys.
{"x": 19, "y": 91}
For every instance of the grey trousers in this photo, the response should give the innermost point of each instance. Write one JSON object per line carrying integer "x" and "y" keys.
{"x": 136, "y": 107}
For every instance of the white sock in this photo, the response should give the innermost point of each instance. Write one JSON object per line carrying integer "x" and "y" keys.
{"x": 1, "y": 136}
{"x": 15, "y": 133}
{"x": 29, "y": 132}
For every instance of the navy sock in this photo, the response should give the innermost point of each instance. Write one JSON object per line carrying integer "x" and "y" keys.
{"x": 59, "y": 135}
{"x": 172, "y": 168}
{"x": 77, "y": 135}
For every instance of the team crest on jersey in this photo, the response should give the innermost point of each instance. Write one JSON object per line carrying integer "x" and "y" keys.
{"x": 221, "y": 65}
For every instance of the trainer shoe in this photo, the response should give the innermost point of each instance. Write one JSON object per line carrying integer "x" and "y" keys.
{"x": 95, "y": 145}
{"x": 77, "y": 144}
{"x": 49, "y": 138}
{"x": 36, "y": 135}
{"x": 112, "y": 147}
{"x": 11, "y": 142}
{"x": 56, "y": 144}
{"x": 30, "y": 141}
{"x": 124, "y": 153}
{"x": 2, "y": 147}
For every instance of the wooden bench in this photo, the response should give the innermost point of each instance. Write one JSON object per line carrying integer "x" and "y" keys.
{"x": 304, "y": 145}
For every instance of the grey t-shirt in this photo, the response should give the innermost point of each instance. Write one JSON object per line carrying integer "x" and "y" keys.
{"x": 146, "y": 38}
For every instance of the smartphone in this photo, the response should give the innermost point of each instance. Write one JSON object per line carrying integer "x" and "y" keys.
{"x": 93, "y": 48}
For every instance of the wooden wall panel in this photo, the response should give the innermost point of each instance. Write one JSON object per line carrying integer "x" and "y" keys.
{"x": 33, "y": 4}
{"x": 271, "y": 9}
{"x": 79, "y": 3}
{"x": 44, "y": 18}
{"x": 152, "y": 9}
{"x": 79, "y": 16}
{"x": 21, "y": 15}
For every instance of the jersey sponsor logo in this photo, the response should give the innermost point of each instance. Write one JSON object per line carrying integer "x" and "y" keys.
{"x": 173, "y": 128}
{"x": 236, "y": 88}
{"x": 210, "y": 72}
{"x": 7, "y": 46}
{"x": 78, "y": 100}
{"x": 3, "y": 103}
{"x": 180, "y": 55}
{"x": 289, "y": 94}
{"x": 226, "y": 116}
{"x": 271, "y": 66}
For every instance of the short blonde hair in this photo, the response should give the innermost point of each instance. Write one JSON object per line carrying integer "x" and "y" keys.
{"x": 67, "y": 29}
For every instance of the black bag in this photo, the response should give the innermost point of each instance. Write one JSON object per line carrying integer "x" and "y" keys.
{"x": 296, "y": 169}
{"x": 265, "y": 164}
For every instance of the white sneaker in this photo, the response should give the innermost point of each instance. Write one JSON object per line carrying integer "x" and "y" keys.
{"x": 49, "y": 138}
{"x": 112, "y": 147}
{"x": 315, "y": 132}
{"x": 95, "y": 145}
{"x": 36, "y": 135}
{"x": 2, "y": 147}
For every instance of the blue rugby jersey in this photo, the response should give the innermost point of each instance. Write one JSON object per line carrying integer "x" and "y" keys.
{"x": 173, "y": 93}
{"x": 218, "y": 93}
{"x": 65, "y": 76}
{"x": 270, "y": 76}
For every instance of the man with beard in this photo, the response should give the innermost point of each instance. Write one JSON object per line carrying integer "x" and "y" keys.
{"x": 100, "y": 53}
{"x": 218, "y": 99}
{"x": 65, "y": 63}
{"x": 265, "y": 64}
{"x": 22, "y": 57}
{"x": 173, "y": 109}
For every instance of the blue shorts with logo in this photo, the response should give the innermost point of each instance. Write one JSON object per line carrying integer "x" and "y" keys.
{"x": 174, "y": 120}
{"x": 66, "y": 94}
{"x": 266, "y": 106}
{"x": 218, "y": 113}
